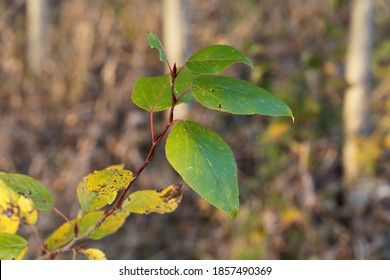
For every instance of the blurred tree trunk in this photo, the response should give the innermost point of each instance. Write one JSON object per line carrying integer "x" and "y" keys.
{"x": 356, "y": 114}
{"x": 36, "y": 33}
{"x": 175, "y": 37}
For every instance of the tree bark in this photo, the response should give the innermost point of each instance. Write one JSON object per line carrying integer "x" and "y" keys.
{"x": 356, "y": 111}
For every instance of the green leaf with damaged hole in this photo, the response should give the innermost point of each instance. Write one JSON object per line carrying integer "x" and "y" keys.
{"x": 154, "y": 42}
{"x": 29, "y": 188}
{"x": 237, "y": 97}
{"x": 215, "y": 59}
{"x": 206, "y": 164}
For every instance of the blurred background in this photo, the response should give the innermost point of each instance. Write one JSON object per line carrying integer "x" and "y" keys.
{"x": 318, "y": 188}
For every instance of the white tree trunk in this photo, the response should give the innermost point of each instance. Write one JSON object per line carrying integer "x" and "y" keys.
{"x": 36, "y": 33}
{"x": 356, "y": 114}
{"x": 174, "y": 37}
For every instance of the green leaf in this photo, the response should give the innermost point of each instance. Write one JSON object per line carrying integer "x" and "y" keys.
{"x": 149, "y": 201}
{"x": 109, "y": 181}
{"x": 237, "y": 97}
{"x": 61, "y": 236}
{"x": 109, "y": 226}
{"x": 29, "y": 188}
{"x": 206, "y": 163}
{"x": 94, "y": 254}
{"x": 12, "y": 246}
{"x": 89, "y": 200}
{"x": 215, "y": 59}
{"x": 154, "y": 93}
{"x": 154, "y": 42}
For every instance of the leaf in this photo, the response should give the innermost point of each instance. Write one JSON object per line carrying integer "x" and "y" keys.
{"x": 15, "y": 208}
{"x": 215, "y": 59}
{"x": 89, "y": 201}
{"x": 237, "y": 97}
{"x": 29, "y": 188}
{"x": 109, "y": 226}
{"x": 206, "y": 163}
{"x": 60, "y": 237}
{"x": 154, "y": 93}
{"x": 154, "y": 42}
{"x": 8, "y": 224}
{"x": 109, "y": 181}
{"x": 94, "y": 254}
{"x": 149, "y": 201}
{"x": 12, "y": 246}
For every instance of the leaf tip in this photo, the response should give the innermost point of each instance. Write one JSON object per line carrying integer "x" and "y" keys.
{"x": 233, "y": 213}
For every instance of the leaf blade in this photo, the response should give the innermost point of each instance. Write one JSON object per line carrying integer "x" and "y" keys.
{"x": 12, "y": 246}
{"x": 29, "y": 188}
{"x": 154, "y": 42}
{"x": 61, "y": 236}
{"x": 89, "y": 200}
{"x": 236, "y": 96}
{"x": 109, "y": 226}
{"x": 152, "y": 201}
{"x": 215, "y": 59}
{"x": 154, "y": 93}
{"x": 206, "y": 164}
{"x": 109, "y": 181}
{"x": 94, "y": 254}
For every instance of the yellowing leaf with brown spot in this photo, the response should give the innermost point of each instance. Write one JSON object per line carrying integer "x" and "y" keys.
{"x": 149, "y": 201}
{"x": 61, "y": 236}
{"x": 89, "y": 200}
{"x": 14, "y": 208}
{"x": 27, "y": 211}
{"x": 109, "y": 181}
{"x": 109, "y": 226}
{"x": 94, "y": 254}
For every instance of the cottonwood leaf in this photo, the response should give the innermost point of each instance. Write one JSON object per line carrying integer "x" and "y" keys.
{"x": 153, "y": 201}
{"x": 206, "y": 164}
{"x": 237, "y": 97}
{"x": 12, "y": 246}
{"x": 109, "y": 181}
{"x": 94, "y": 254}
{"x": 29, "y": 188}
{"x": 215, "y": 59}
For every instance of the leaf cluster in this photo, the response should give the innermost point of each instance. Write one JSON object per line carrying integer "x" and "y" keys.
{"x": 201, "y": 157}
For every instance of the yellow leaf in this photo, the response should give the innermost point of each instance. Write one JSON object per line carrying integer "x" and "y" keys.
{"x": 149, "y": 201}
{"x": 94, "y": 254}
{"x": 89, "y": 200}
{"x": 15, "y": 208}
{"x": 8, "y": 224}
{"x": 109, "y": 226}
{"x": 109, "y": 181}
{"x": 22, "y": 253}
{"x": 61, "y": 236}
{"x": 28, "y": 213}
